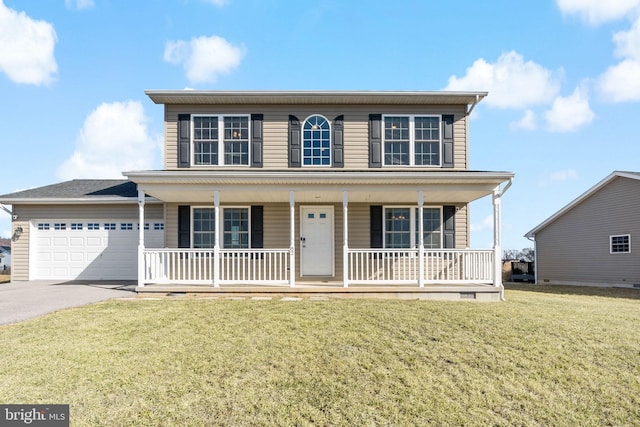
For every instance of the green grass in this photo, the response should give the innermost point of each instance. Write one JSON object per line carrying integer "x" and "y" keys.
{"x": 547, "y": 356}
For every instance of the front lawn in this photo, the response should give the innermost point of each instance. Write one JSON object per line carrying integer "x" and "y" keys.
{"x": 566, "y": 357}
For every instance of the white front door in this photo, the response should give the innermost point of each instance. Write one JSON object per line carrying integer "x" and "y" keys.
{"x": 316, "y": 241}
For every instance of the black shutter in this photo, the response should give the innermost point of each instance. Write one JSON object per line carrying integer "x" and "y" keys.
{"x": 376, "y": 226}
{"x": 449, "y": 226}
{"x": 338, "y": 142}
{"x": 257, "y": 233}
{"x": 184, "y": 226}
{"x": 447, "y": 141}
{"x": 256, "y": 140}
{"x": 375, "y": 140}
{"x": 184, "y": 140}
{"x": 295, "y": 149}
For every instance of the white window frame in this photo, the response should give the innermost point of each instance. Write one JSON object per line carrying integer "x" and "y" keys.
{"x": 220, "y": 221}
{"x": 330, "y": 142}
{"x": 611, "y": 237}
{"x": 413, "y": 228}
{"x": 221, "y": 152}
{"x": 412, "y": 140}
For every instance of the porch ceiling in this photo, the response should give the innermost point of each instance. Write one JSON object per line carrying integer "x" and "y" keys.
{"x": 317, "y": 187}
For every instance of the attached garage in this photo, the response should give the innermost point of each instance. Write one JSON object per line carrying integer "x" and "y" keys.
{"x": 89, "y": 250}
{"x": 81, "y": 230}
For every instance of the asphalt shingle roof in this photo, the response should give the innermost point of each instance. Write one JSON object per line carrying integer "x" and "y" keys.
{"x": 78, "y": 189}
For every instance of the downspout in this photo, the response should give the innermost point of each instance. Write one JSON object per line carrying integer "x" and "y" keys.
{"x": 6, "y": 209}
{"x": 499, "y": 195}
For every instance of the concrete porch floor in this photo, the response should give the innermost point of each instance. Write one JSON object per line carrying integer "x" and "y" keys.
{"x": 467, "y": 292}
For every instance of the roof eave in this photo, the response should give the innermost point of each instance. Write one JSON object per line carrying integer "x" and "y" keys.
{"x": 315, "y": 97}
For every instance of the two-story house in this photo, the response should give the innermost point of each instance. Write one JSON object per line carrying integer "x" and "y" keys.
{"x": 301, "y": 191}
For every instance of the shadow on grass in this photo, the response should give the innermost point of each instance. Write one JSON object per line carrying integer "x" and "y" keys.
{"x": 627, "y": 293}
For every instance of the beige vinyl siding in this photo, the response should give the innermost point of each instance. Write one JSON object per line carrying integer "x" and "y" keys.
{"x": 575, "y": 248}
{"x": 276, "y": 125}
{"x": 28, "y": 213}
{"x": 20, "y": 250}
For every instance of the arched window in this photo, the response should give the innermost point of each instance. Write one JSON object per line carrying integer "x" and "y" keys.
{"x": 316, "y": 142}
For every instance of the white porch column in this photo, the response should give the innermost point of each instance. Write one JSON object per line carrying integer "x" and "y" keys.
{"x": 345, "y": 239}
{"x": 141, "y": 266}
{"x": 216, "y": 240}
{"x": 497, "y": 237}
{"x": 421, "y": 238}
{"x": 292, "y": 239}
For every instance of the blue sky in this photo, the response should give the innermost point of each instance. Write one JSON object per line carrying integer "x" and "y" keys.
{"x": 563, "y": 78}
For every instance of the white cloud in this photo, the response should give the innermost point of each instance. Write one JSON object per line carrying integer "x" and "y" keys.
{"x": 568, "y": 114}
{"x": 486, "y": 224}
{"x": 527, "y": 122}
{"x": 558, "y": 176}
{"x": 204, "y": 58}
{"x": 511, "y": 82}
{"x": 79, "y": 4}
{"x": 598, "y": 11}
{"x": 114, "y": 138}
{"x": 26, "y": 48}
{"x": 621, "y": 82}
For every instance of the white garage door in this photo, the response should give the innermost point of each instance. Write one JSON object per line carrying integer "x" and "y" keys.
{"x": 90, "y": 250}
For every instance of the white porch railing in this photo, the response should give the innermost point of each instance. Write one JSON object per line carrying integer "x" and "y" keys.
{"x": 250, "y": 266}
{"x": 387, "y": 266}
{"x": 365, "y": 266}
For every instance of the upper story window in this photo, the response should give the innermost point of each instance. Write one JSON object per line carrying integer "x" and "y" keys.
{"x": 212, "y": 147}
{"x": 412, "y": 140}
{"x": 316, "y": 142}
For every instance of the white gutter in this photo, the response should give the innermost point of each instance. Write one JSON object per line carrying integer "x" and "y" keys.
{"x": 73, "y": 201}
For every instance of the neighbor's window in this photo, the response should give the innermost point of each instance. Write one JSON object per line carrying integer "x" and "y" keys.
{"x": 401, "y": 227}
{"x": 620, "y": 244}
{"x": 412, "y": 140}
{"x": 207, "y": 144}
{"x": 316, "y": 142}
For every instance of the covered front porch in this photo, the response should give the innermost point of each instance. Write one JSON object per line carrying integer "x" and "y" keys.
{"x": 355, "y": 268}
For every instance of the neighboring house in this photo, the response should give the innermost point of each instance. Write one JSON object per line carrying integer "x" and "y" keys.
{"x": 273, "y": 189}
{"x": 5, "y": 258}
{"x": 590, "y": 241}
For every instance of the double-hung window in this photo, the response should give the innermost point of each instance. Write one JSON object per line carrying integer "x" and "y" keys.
{"x": 235, "y": 227}
{"x": 412, "y": 140}
{"x": 620, "y": 244}
{"x": 402, "y": 227}
{"x": 211, "y": 146}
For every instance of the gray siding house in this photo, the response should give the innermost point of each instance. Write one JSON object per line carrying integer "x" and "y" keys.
{"x": 591, "y": 240}
{"x": 299, "y": 191}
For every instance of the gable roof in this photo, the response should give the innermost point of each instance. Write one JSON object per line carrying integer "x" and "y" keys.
{"x": 581, "y": 198}
{"x": 77, "y": 191}
{"x": 5, "y": 249}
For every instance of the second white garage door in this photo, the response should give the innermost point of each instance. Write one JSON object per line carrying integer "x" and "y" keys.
{"x": 90, "y": 250}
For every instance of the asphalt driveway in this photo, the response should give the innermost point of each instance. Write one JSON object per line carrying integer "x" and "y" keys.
{"x": 24, "y": 300}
